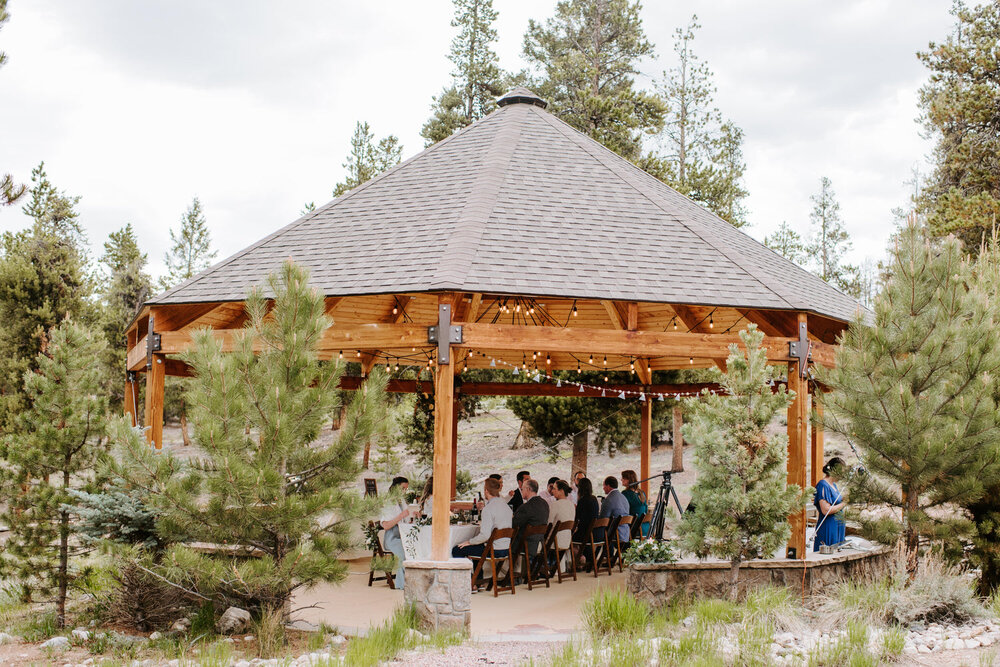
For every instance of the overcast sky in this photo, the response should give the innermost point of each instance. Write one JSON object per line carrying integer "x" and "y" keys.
{"x": 140, "y": 106}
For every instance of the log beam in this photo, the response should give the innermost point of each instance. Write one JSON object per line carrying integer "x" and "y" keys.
{"x": 625, "y": 317}
{"x": 816, "y": 450}
{"x": 645, "y": 443}
{"x": 154, "y": 401}
{"x": 444, "y": 408}
{"x": 798, "y": 423}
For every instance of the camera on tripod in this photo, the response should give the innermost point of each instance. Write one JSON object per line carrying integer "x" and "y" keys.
{"x": 660, "y": 508}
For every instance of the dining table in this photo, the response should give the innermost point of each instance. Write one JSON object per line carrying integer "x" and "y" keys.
{"x": 417, "y": 539}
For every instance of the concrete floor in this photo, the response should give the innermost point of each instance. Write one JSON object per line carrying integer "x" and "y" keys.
{"x": 543, "y": 614}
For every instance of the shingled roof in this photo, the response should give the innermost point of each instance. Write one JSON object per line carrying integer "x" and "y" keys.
{"x": 521, "y": 203}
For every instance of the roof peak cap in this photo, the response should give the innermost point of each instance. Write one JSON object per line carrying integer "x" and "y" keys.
{"x": 521, "y": 95}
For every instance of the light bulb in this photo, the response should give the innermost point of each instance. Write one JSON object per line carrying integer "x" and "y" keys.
{"x": 711, "y": 324}
{"x": 395, "y": 310}
{"x": 517, "y": 308}
{"x": 397, "y": 365}
{"x": 574, "y": 310}
{"x": 591, "y": 362}
{"x": 534, "y": 355}
{"x": 675, "y": 324}
{"x": 691, "y": 360}
{"x": 578, "y": 370}
{"x": 470, "y": 354}
{"x": 548, "y": 360}
{"x": 358, "y": 354}
{"x": 631, "y": 365}
{"x": 605, "y": 360}
{"x": 341, "y": 355}
{"x": 531, "y": 311}
{"x": 605, "y": 378}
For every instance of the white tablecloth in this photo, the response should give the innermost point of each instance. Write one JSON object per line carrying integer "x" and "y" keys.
{"x": 417, "y": 539}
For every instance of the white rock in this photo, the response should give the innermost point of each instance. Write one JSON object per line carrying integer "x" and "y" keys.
{"x": 337, "y": 640}
{"x": 57, "y": 643}
{"x": 174, "y": 663}
{"x": 910, "y": 649}
{"x": 987, "y": 639}
{"x": 923, "y": 649}
{"x": 688, "y": 620}
{"x": 242, "y": 663}
{"x": 180, "y": 625}
{"x": 972, "y": 643}
{"x": 7, "y": 639}
{"x": 81, "y": 633}
{"x": 153, "y": 636}
{"x": 415, "y": 635}
{"x": 248, "y": 638}
{"x": 233, "y": 621}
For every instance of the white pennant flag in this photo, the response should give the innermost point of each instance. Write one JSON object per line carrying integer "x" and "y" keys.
{"x": 642, "y": 396}
{"x": 581, "y": 388}
{"x": 537, "y": 378}
{"x": 516, "y": 371}
{"x": 493, "y": 362}
{"x": 559, "y": 383}
{"x": 621, "y": 395}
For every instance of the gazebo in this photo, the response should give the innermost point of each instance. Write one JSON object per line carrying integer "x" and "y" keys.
{"x": 519, "y": 242}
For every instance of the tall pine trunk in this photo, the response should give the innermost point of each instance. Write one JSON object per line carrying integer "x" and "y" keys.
{"x": 911, "y": 539}
{"x": 734, "y": 578}
{"x": 184, "y": 429}
{"x": 63, "y": 556}
{"x": 579, "y": 461}
{"x": 677, "y": 464}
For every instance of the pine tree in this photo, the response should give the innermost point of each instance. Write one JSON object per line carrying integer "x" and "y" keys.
{"x": 10, "y": 192}
{"x": 126, "y": 287}
{"x": 830, "y": 240}
{"x": 741, "y": 494}
{"x": 704, "y": 154}
{"x": 960, "y": 107}
{"x": 42, "y": 281}
{"x": 914, "y": 391}
{"x": 191, "y": 251}
{"x": 588, "y": 56}
{"x": 479, "y": 80}
{"x": 788, "y": 243}
{"x": 265, "y": 482}
{"x": 53, "y": 450}
{"x": 367, "y": 159}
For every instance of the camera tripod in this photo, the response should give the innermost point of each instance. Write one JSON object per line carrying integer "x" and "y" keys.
{"x": 662, "y": 499}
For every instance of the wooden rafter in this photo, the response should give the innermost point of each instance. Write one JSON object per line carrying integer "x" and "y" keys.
{"x": 625, "y": 317}
{"x": 698, "y": 324}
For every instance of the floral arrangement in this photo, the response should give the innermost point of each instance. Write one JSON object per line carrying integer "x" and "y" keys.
{"x": 650, "y": 551}
{"x": 413, "y": 536}
{"x": 371, "y": 529}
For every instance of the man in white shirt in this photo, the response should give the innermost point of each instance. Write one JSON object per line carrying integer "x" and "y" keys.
{"x": 496, "y": 514}
{"x": 547, "y": 493}
{"x": 393, "y": 514}
{"x": 577, "y": 476}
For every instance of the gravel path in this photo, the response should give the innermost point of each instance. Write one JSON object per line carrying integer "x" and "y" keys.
{"x": 473, "y": 653}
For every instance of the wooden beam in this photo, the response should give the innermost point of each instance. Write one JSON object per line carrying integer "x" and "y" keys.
{"x": 131, "y": 397}
{"x": 154, "y": 402}
{"x": 677, "y": 460}
{"x": 172, "y": 318}
{"x": 765, "y": 324}
{"x": 699, "y": 324}
{"x": 798, "y": 423}
{"x": 645, "y": 442}
{"x": 625, "y": 317}
{"x": 444, "y": 406}
{"x": 353, "y": 383}
{"x": 332, "y": 303}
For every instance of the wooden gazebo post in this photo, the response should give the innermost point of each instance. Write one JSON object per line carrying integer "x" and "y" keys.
{"x": 798, "y": 423}
{"x": 645, "y": 442}
{"x": 444, "y": 407}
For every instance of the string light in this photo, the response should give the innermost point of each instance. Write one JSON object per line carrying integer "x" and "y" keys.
{"x": 548, "y": 360}
{"x": 471, "y": 353}
{"x": 632, "y": 366}
{"x": 605, "y": 378}
{"x": 578, "y": 370}
{"x": 517, "y": 308}
{"x": 397, "y": 364}
{"x": 358, "y": 355}
{"x": 605, "y": 361}
{"x": 341, "y": 355}
{"x": 675, "y": 323}
{"x": 395, "y": 309}
{"x": 591, "y": 362}
{"x": 531, "y": 311}
{"x": 691, "y": 360}
{"x": 711, "y": 324}
{"x": 574, "y": 309}
{"x": 534, "y": 355}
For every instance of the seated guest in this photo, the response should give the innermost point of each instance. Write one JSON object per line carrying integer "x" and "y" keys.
{"x": 426, "y": 501}
{"x": 637, "y": 506}
{"x": 586, "y": 509}
{"x": 561, "y": 510}
{"x": 516, "y": 497}
{"x": 393, "y": 514}
{"x": 533, "y": 512}
{"x": 496, "y": 514}
{"x": 577, "y": 476}
{"x": 546, "y": 493}
{"x": 614, "y": 505}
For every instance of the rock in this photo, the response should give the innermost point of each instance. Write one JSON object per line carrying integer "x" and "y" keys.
{"x": 153, "y": 636}
{"x": 8, "y": 639}
{"x": 60, "y": 643}
{"x": 972, "y": 642}
{"x": 987, "y": 640}
{"x": 233, "y": 621}
{"x": 923, "y": 649}
{"x": 81, "y": 634}
{"x": 414, "y": 635}
{"x": 181, "y": 625}
{"x": 688, "y": 621}
{"x": 242, "y": 663}
{"x": 338, "y": 640}
{"x": 248, "y": 638}
{"x": 174, "y": 663}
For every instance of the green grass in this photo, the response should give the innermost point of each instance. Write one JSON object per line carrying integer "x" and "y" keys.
{"x": 713, "y": 611}
{"x": 385, "y": 642}
{"x": 37, "y": 627}
{"x": 893, "y": 641}
{"x": 615, "y": 612}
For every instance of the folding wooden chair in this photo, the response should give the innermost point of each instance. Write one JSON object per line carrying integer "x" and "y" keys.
{"x": 379, "y": 552}
{"x": 540, "y": 560}
{"x": 596, "y": 547}
{"x": 620, "y": 546}
{"x": 552, "y": 547}
{"x": 637, "y": 525}
{"x": 496, "y": 562}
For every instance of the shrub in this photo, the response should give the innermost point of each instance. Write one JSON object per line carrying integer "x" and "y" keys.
{"x": 138, "y": 599}
{"x": 613, "y": 612}
{"x": 941, "y": 594}
{"x": 650, "y": 551}
{"x": 269, "y": 628}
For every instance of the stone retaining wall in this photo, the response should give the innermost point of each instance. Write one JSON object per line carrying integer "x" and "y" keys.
{"x": 441, "y": 592}
{"x": 658, "y": 583}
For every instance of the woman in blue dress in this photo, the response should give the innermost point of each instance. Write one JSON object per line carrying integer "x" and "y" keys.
{"x": 829, "y": 503}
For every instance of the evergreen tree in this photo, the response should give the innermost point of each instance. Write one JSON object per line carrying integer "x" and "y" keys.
{"x": 830, "y": 240}
{"x": 42, "y": 281}
{"x": 367, "y": 159}
{"x": 741, "y": 494}
{"x": 478, "y": 78}
{"x": 704, "y": 154}
{"x": 914, "y": 391}
{"x": 588, "y": 56}
{"x": 960, "y": 107}
{"x": 52, "y": 451}
{"x": 191, "y": 251}
{"x": 10, "y": 192}
{"x": 126, "y": 287}
{"x": 265, "y": 482}
{"x": 788, "y": 243}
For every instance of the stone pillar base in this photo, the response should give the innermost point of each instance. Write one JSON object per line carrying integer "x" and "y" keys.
{"x": 441, "y": 592}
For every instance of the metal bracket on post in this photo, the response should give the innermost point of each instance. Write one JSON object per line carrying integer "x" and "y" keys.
{"x": 800, "y": 350}
{"x": 131, "y": 376}
{"x": 444, "y": 343}
{"x": 152, "y": 344}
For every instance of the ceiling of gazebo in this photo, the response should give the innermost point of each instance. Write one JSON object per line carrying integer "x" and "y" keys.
{"x": 519, "y": 203}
